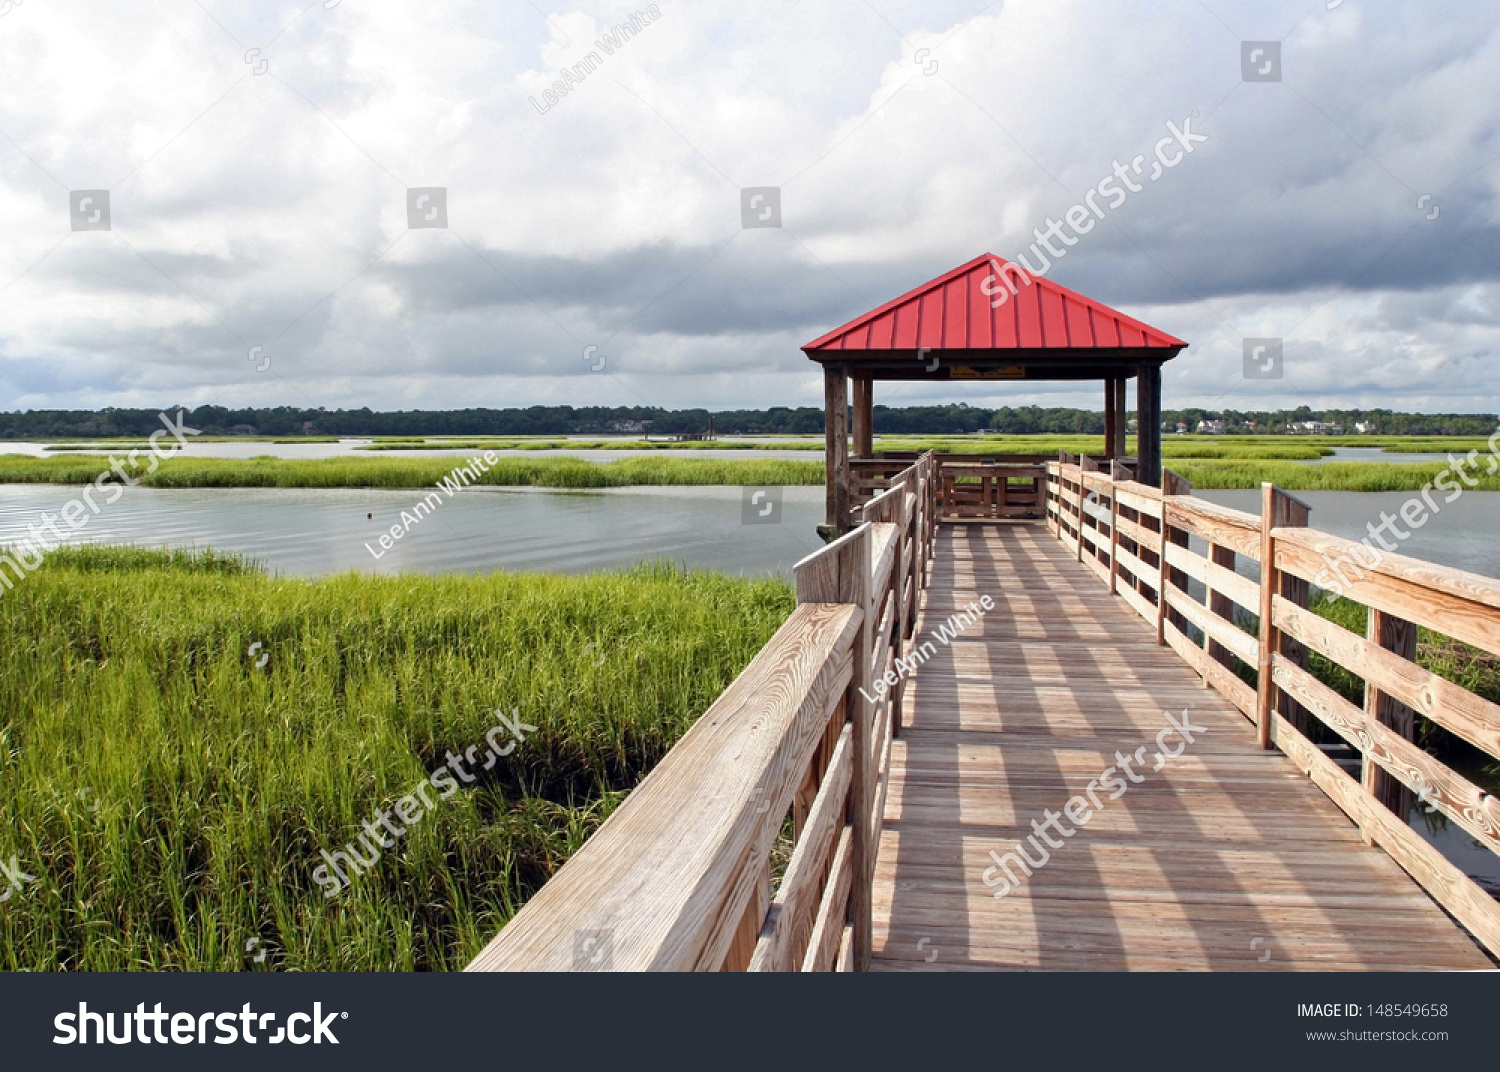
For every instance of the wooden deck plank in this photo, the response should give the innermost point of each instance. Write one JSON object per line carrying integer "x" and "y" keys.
{"x": 1224, "y": 853}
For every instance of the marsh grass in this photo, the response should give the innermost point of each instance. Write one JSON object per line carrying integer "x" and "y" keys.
{"x": 172, "y": 798}
{"x": 1207, "y": 464}
{"x": 388, "y": 472}
{"x": 588, "y": 444}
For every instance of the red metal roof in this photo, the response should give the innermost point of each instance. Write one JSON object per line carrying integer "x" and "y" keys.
{"x": 953, "y": 312}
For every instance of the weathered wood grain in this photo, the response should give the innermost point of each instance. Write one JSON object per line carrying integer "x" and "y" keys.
{"x": 1454, "y": 795}
{"x": 1451, "y": 706}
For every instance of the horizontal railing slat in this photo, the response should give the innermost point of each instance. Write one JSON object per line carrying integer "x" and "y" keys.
{"x": 1242, "y": 590}
{"x": 1452, "y": 794}
{"x": 1215, "y": 673}
{"x": 1212, "y": 523}
{"x": 1462, "y": 611}
{"x": 1225, "y": 632}
{"x": 1451, "y": 706}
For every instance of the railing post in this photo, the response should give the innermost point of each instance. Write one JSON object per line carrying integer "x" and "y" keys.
{"x": 1114, "y": 532}
{"x": 1221, "y": 605}
{"x": 1399, "y": 636}
{"x": 862, "y": 786}
{"x": 836, "y": 449}
{"x": 1277, "y": 510}
{"x": 1081, "y": 460}
{"x": 1171, "y": 484}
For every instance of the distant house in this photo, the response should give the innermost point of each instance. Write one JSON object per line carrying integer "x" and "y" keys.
{"x": 1130, "y": 425}
{"x": 1181, "y": 428}
{"x": 1316, "y": 428}
{"x": 1364, "y": 427}
{"x": 244, "y": 429}
{"x": 1211, "y": 426}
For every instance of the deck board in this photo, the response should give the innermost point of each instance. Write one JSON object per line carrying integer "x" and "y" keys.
{"x": 1224, "y": 854}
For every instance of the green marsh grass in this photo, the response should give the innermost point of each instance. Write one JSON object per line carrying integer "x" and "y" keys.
{"x": 1208, "y": 464}
{"x": 395, "y": 472}
{"x": 171, "y": 798}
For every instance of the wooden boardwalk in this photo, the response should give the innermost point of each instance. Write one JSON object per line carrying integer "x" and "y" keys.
{"x": 1229, "y": 858}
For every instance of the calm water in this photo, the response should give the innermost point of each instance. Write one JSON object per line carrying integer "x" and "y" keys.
{"x": 1374, "y": 454}
{"x": 310, "y": 532}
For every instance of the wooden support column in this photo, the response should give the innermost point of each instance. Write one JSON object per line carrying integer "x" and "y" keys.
{"x": 1117, "y": 448}
{"x": 1148, "y": 424}
{"x": 864, "y": 416}
{"x": 1171, "y": 484}
{"x": 1399, "y": 636}
{"x": 836, "y": 449}
{"x": 1110, "y": 417}
{"x": 1278, "y": 510}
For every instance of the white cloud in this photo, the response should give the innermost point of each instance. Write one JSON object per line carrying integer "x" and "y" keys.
{"x": 269, "y": 209}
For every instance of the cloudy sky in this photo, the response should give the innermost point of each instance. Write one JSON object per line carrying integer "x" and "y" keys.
{"x": 258, "y": 157}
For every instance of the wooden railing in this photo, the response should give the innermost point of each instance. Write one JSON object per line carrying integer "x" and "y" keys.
{"x": 971, "y": 486}
{"x": 680, "y": 876}
{"x": 1137, "y": 539}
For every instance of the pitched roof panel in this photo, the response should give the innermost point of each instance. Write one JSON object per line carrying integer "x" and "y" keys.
{"x": 957, "y": 312}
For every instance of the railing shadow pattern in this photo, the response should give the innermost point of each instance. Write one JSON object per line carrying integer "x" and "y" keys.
{"x": 1136, "y": 539}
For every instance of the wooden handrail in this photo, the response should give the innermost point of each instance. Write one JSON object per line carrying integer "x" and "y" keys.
{"x": 679, "y": 877}
{"x": 1146, "y": 561}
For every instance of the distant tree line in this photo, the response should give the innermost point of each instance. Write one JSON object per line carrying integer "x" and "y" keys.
{"x": 1349, "y": 421}
{"x": 650, "y": 420}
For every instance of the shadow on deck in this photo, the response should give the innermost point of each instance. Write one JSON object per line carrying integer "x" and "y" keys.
{"x": 1227, "y": 858}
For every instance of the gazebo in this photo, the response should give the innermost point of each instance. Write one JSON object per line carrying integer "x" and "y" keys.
{"x": 987, "y": 320}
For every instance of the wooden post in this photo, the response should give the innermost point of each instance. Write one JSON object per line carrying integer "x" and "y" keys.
{"x": 1109, "y": 418}
{"x": 1082, "y": 458}
{"x": 1399, "y": 636}
{"x": 1171, "y": 484}
{"x": 1148, "y": 424}
{"x": 1117, "y": 448}
{"x": 1114, "y": 530}
{"x": 1221, "y": 605}
{"x": 836, "y": 448}
{"x": 864, "y": 417}
{"x": 902, "y": 610}
{"x": 1277, "y": 510}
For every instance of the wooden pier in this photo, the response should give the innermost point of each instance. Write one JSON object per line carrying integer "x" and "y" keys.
{"x": 850, "y": 799}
